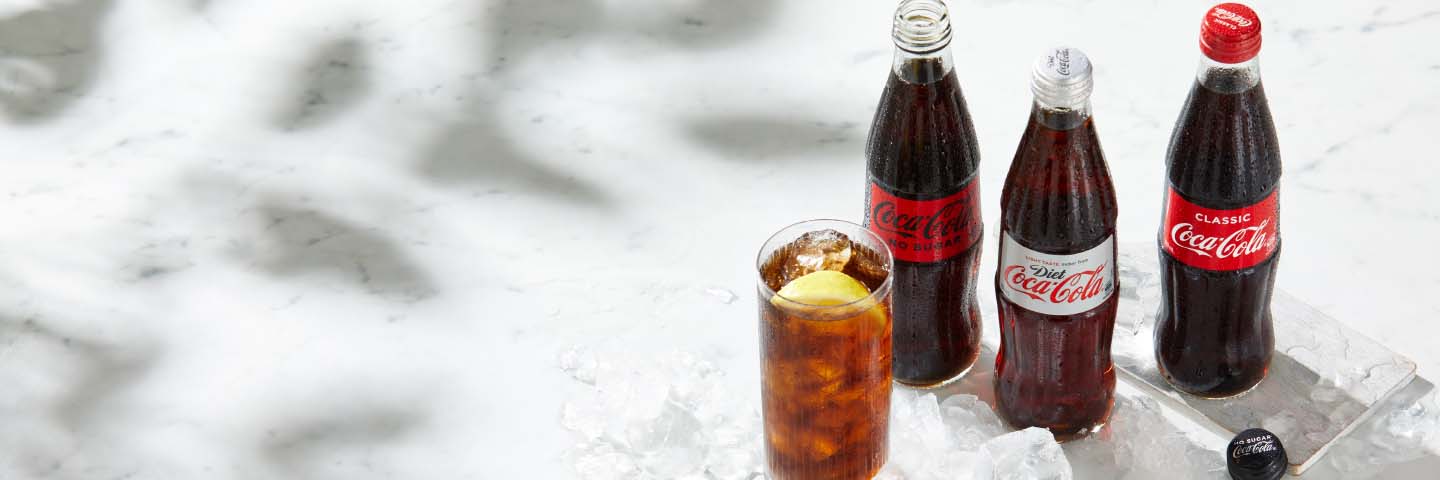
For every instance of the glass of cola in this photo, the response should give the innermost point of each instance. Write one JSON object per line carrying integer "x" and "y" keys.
{"x": 825, "y": 339}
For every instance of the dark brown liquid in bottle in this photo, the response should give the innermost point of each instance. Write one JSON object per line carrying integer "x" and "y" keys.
{"x": 922, "y": 146}
{"x": 1214, "y": 336}
{"x": 1054, "y": 371}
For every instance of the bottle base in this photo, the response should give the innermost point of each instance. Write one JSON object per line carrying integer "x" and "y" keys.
{"x": 940, "y": 384}
{"x": 1063, "y": 433}
{"x": 1201, "y": 395}
{"x": 1076, "y": 435}
{"x": 1223, "y": 396}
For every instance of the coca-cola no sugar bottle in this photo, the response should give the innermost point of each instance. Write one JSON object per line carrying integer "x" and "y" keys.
{"x": 1055, "y": 282}
{"x": 923, "y": 199}
{"x": 1220, "y": 232}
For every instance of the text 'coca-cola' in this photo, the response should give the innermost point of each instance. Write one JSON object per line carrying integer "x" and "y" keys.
{"x": 925, "y": 231}
{"x": 1221, "y": 239}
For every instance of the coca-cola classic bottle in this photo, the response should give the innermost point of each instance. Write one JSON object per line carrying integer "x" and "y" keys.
{"x": 1055, "y": 282}
{"x": 923, "y": 199}
{"x": 1220, "y": 232}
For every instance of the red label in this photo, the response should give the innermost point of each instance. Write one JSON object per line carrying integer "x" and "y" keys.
{"x": 925, "y": 231}
{"x": 1221, "y": 239}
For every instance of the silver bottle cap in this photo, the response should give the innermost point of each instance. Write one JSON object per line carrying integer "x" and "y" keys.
{"x": 1062, "y": 78}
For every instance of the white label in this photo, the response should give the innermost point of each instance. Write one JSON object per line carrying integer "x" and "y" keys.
{"x": 1056, "y": 284}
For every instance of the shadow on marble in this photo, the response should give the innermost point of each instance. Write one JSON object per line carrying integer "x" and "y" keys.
{"x": 517, "y": 28}
{"x": 514, "y": 28}
{"x": 763, "y": 138}
{"x": 108, "y": 371}
{"x": 63, "y": 391}
{"x": 49, "y": 57}
{"x": 334, "y": 79}
{"x": 477, "y": 152}
{"x": 301, "y": 240}
{"x": 698, "y": 24}
{"x": 311, "y": 442}
{"x": 102, "y": 370}
{"x": 477, "y": 149}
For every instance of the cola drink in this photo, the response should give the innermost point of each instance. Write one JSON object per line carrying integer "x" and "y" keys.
{"x": 923, "y": 199}
{"x": 824, "y": 356}
{"x": 1055, "y": 282}
{"x": 1220, "y": 233}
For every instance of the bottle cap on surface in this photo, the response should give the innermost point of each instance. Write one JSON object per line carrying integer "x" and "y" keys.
{"x": 1230, "y": 33}
{"x": 1061, "y": 78}
{"x": 1256, "y": 454}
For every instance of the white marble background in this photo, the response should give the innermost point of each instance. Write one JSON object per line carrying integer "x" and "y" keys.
{"x": 345, "y": 239}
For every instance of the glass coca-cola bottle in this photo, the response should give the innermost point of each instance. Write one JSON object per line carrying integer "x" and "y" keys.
{"x": 923, "y": 199}
{"x": 1220, "y": 232}
{"x": 1055, "y": 282}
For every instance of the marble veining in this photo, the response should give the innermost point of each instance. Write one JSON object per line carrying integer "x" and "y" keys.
{"x": 346, "y": 238}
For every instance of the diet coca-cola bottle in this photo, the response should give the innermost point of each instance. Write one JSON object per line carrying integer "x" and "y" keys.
{"x": 923, "y": 199}
{"x": 1220, "y": 231}
{"x": 1055, "y": 283}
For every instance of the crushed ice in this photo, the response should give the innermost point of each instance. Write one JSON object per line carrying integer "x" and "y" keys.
{"x": 670, "y": 416}
{"x": 1401, "y": 434}
{"x": 722, "y": 295}
{"x": 675, "y": 416}
{"x": 1142, "y": 287}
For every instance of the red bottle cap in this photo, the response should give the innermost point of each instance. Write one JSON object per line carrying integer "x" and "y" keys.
{"x": 1230, "y": 33}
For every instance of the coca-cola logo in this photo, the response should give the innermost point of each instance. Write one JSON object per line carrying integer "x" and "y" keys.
{"x": 1221, "y": 240}
{"x": 1227, "y": 15}
{"x": 1236, "y": 244}
{"x": 924, "y": 231}
{"x": 1255, "y": 445}
{"x": 1057, "y": 286}
{"x": 951, "y": 219}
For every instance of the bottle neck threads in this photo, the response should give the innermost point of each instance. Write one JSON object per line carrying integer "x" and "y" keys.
{"x": 922, "y": 41}
{"x": 922, "y": 26}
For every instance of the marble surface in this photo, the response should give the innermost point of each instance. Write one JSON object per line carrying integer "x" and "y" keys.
{"x": 346, "y": 239}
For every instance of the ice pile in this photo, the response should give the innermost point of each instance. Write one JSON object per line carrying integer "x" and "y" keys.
{"x": 1400, "y": 434}
{"x": 676, "y": 416}
{"x": 1029, "y": 454}
{"x": 1140, "y": 443}
{"x": 1140, "y": 286}
{"x": 961, "y": 437}
{"x": 932, "y": 439}
{"x": 671, "y": 416}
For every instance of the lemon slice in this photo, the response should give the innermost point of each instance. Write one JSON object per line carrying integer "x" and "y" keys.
{"x": 823, "y": 288}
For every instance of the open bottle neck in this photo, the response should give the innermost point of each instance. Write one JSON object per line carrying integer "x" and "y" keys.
{"x": 922, "y": 68}
{"x": 1228, "y": 77}
{"x": 922, "y": 41}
